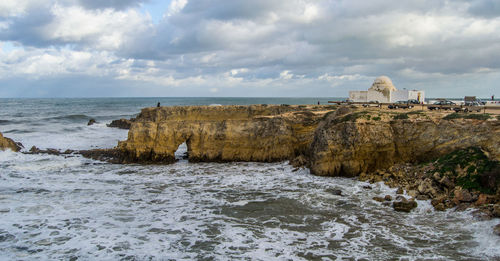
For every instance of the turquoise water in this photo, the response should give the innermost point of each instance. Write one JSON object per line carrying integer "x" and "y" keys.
{"x": 61, "y": 208}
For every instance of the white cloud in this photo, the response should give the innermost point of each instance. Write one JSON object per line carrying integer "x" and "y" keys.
{"x": 104, "y": 29}
{"x": 286, "y": 75}
{"x": 244, "y": 45}
{"x": 176, "y": 6}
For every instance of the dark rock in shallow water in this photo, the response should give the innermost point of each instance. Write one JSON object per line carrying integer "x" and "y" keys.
{"x": 496, "y": 230}
{"x": 91, "y": 121}
{"x": 121, "y": 124}
{"x": 336, "y": 192}
{"x": 404, "y": 205}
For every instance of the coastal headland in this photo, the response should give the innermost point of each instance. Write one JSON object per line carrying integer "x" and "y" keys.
{"x": 451, "y": 158}
{"x": 330, "y": 140}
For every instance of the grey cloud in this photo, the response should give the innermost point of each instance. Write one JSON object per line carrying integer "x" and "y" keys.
{"x": 116, "y": 4}
{"x": 485, "y": 8}
{"x": 210, "y": 38}
{"x": 27, "y": 29}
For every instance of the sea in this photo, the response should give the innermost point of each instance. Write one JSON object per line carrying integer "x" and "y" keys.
{"x": 72, "y": 208}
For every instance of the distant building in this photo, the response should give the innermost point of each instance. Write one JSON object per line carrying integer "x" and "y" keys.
{"x": 383, "y": 91}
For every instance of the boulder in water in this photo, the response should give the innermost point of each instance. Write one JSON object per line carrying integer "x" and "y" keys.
{"x": 121, "y": 124}
{"x": 6, "y": 143}
{"x": 496, "y": 230}
{"x": 91, "y": 121}
{"x": 404, "y": 205}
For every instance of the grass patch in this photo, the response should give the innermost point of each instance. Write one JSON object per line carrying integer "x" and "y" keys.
{"x": 401, "y": 116}
{"x": 482, "y": 116}
{"x": 376, "y": 118}
{"x": 498, "y": 117}
{"x": 471, "y": 169}
{"x": 353, "y": 116}
{"x": 420, "y": 112}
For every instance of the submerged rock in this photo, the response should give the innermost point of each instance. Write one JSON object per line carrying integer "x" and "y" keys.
{"x": 6, "y": 143}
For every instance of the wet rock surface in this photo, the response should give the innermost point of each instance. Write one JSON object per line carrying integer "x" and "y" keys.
{"x": 121, "y": 124}
{"x": 496, "y": 230}
{"x": 453, "y": 180}
{"x": 6, "y": 143}
{"x": 404, "y": 205}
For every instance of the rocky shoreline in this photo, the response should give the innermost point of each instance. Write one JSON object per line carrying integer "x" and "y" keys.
{"x": 452, "y": 161}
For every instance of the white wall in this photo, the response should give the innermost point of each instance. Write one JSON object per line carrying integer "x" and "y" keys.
{"x": 358, "y": 96}
{"x": 377, "y": 96}
{"x": 415, "y": 95}
{"x": 399, "y": 95}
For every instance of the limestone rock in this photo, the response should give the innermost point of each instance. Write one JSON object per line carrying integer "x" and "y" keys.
{"x": 221, "y": 133}
{"x": 121, "y": 124}
{"x": 462, "y": 195}
{"x": 6, "y": 143}
{"x": 350, "y": 144}
{"x": 496, "y": 211}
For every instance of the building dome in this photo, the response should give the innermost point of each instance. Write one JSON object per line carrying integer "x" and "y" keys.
{"x": 383, "y": 84}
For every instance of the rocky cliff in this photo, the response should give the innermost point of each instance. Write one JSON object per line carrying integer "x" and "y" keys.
{"x": 221, "y": 133}
{"x": 6, "y": 143}
{"x": 343, "y": 142}
{"x": 352, "y": 142}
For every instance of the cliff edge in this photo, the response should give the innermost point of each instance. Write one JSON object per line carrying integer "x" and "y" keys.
{"x": 264, "y": 133}
{"x": 331, "y": 141}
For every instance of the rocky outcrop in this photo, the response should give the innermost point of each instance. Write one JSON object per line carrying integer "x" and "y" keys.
{"x": 263, "y": 133}
{"x": 354, "y": 142}
{"x": 343, "y": 142}
{"x": 6, "y": 143}
{"x": 121, "y": 124}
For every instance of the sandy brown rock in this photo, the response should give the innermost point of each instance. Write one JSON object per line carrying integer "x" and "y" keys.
{"x": 121, "y": 124}
{"x": 6, "y": 143}
{"x": 353, "y": 143}
{"x": 221, "y": 133}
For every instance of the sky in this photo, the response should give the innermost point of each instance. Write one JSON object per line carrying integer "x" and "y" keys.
{"x": 247, "y": 48}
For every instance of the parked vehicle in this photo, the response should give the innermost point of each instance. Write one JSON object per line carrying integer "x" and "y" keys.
{"x": 481, "y": 102}
{"x": 413, "y": 101}
{"x": 400, "y": 104}
{"x": 469, "y": 106}
{"x": 441, "y": 104}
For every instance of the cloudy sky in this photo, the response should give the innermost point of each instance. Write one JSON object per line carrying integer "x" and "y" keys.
{"x": 93, "y": 48}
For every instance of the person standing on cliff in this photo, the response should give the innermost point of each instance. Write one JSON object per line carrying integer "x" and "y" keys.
{"x": 158, "y": 105}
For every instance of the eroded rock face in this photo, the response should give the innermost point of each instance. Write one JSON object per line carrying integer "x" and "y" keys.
{"x": 121, "y": 124}
{"x": 354, "y": 143}
{"x": 6, "y": 143}
{"x": 343, "y": 142}
{"x": 262, "y": 133}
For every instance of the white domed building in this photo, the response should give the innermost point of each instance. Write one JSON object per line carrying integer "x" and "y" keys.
{"x": 383, "y": 91}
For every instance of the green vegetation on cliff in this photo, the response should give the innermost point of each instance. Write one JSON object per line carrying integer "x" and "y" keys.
{"x": 452, "y": 116}
{"x": 471, "y": 168}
